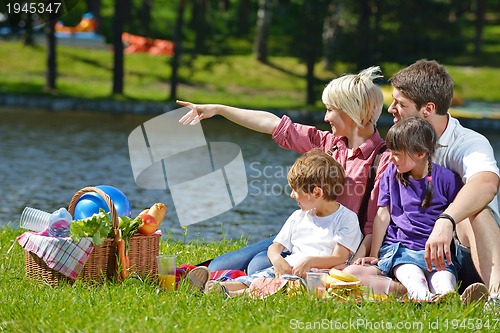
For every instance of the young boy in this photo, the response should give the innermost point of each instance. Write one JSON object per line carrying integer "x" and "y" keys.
{"x": 321, "y": 234}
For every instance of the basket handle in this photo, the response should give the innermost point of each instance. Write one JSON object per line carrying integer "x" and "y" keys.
{"x": 107, "y": 199}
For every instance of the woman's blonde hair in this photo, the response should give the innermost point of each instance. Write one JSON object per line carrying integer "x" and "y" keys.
{"x": 356, "y": 95}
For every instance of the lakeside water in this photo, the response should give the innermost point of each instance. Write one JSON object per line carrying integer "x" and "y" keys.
{"x": 47, "y": 156}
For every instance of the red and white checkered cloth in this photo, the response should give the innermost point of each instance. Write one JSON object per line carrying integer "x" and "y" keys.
{"x": 60, "y": 254}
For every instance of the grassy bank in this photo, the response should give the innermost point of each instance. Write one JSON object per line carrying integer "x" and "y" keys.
{"x": 134, "y": 306}
{"x": 236, "y": 80}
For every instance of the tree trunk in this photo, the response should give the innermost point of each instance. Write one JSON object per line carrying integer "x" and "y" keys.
{"x": 330, "y": 26}
{"x": 224, "y": 5}
{"x": 377, "y": 30}
{"x": 478, "y": 37}
{"x": 145, "y": 16}
{"x": 51, "y": 73}
{"x": 243, "y": 17}
{"x": 174, "y": 79}
{"x": 118, "y": 71}
{"x": 200, "y": 24}
{"x": 127, "y": 6}
{"x": 263, "y": 26}
{"x": 310, "y": 26}
{"x": 28, "y": 39}
{"x": 364, "y": 34}
{"x": 94, "y": 6}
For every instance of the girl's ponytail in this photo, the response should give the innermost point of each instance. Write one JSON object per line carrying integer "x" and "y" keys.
{"x": 428, "y": 193}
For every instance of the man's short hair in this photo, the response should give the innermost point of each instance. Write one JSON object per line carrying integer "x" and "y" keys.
{"x": 425, "y": 81}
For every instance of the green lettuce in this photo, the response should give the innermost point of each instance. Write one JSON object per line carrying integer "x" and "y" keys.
{"x": 128, "y": 227}
{"x": 98, "y": 227}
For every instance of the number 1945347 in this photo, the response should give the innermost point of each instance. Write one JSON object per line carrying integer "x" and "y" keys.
{"x": 33, "y": 7}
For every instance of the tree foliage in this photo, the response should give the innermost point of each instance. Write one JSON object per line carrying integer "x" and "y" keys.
{"x": 366, "y": 31}
{"x": 360, "y": 33}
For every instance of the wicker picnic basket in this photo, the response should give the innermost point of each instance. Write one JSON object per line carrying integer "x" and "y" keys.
{"x": 102, "y": 262}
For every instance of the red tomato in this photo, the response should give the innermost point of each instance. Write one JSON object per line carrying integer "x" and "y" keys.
{"x": 148, "y": 225}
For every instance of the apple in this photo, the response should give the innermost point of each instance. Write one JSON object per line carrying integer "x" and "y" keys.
{"x": 148, "y": 225}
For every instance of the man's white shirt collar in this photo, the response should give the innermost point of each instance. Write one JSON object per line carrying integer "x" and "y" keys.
{"x": 448, "y": 132}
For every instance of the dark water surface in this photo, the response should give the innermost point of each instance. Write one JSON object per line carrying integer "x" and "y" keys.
{"x": 45, "y": 157}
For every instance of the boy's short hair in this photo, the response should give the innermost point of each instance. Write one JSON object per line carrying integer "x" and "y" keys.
{"x": 425, "y": 81}
{"x": 317, "y": 169}
{"x": 356, "y": 95}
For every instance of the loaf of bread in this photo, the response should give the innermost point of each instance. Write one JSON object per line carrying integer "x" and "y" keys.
{"x": 158, "y": 211}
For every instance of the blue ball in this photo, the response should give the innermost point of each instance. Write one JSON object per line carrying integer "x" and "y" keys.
{"x": 89, "y": 203}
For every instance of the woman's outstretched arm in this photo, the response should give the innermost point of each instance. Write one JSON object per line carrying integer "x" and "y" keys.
{"x": 260, "y": 121}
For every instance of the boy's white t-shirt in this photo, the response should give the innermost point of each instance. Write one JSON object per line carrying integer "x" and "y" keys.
{"x": 304, "y": 234}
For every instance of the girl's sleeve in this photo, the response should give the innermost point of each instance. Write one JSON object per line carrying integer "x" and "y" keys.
{"x": 384, "y": 196}
{"x": 455, "y": 185}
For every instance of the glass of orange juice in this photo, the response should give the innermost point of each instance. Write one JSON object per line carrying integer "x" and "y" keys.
{"x": 166, "y": 271}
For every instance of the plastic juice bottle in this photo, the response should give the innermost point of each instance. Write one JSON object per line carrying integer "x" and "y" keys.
{"x": 59, "y": 223}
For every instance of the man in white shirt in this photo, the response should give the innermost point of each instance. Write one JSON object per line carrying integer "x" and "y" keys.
{"x": 425, "y": 89}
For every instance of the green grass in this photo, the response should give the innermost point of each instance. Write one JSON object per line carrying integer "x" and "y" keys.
{"x": 134, "y": 306}
{"x": 239, "y": 80}
{"x": 235, "y": 80}
{"x": 476, "y": 83}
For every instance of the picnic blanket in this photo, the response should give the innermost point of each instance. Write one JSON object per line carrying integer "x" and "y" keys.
{"x": 60, "y": 254}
